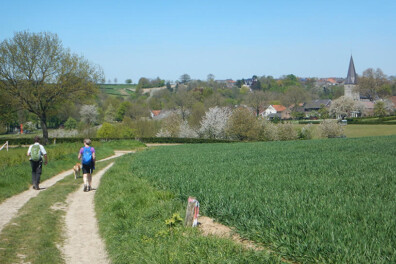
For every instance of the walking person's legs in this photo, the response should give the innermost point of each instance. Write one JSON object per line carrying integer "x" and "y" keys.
{"x": 85, "y": 179}
{"x": 36, "y": 173}
{"x": 89, "y": 181}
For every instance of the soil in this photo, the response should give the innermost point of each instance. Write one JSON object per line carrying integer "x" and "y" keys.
{"x": 83, "y": 243}
{"x": 209, "y": 227}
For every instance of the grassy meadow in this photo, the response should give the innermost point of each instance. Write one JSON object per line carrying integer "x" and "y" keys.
{"x": 369, "y": 130}
{"x": 318, "y": 201}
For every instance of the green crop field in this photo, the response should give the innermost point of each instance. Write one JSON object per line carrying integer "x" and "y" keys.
{"x": 318, "y": 201}
{"x": 117, "y": 89}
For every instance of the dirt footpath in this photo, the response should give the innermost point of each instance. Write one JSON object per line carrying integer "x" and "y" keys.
{"x": 10, "y": 207}
{"x": 83, "y": 243}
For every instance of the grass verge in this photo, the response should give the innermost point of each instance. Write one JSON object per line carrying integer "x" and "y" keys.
{"x": 34, "y": 236}
{"x": 132, "y": 214}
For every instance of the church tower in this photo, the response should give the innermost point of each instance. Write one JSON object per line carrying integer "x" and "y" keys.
{"x": 350, "y": 85}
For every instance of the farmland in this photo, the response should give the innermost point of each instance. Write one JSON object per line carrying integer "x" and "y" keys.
{"x": 117, "y": 89}
{"x": 325, "y": 201}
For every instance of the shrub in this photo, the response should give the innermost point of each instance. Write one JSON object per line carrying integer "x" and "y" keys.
{"x": 307, "y": 132}
{"x": 70, "y": 124}
{"x": 287, "y": 132}
{"x": 268, "y": 131}
{"x": 170, "y": 126}
{"x": 107, "y": 131}
{"x": 331, "y": 128}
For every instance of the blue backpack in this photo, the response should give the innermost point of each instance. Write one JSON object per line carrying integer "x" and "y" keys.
{"x": 87, "y": 156}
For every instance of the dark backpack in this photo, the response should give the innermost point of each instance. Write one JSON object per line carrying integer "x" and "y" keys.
{"x": 35, "y": 153}
{"x": 87, "y": 156}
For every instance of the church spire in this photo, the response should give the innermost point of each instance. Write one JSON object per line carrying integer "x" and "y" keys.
{"x": 352, "y": 77}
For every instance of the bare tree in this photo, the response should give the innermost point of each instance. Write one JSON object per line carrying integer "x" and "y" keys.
{"x": 256, "y": 100}
{"x": 374, "y": 84}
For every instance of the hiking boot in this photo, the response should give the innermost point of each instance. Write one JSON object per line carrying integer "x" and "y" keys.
{"x": 89, "y": 188}
{"x": 34, "y": 187}
{"x": 85, "y": 188}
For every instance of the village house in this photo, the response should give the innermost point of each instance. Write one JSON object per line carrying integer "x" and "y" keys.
{"x": 276, "y": 111}
{"x": 312, "y": 107}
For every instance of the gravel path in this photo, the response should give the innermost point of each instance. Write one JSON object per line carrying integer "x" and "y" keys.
{"x": 83, "y": 243}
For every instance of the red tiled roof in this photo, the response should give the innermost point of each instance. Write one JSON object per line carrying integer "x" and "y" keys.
{"x": 279, "y": 108}
{"x": 156, "y": 112}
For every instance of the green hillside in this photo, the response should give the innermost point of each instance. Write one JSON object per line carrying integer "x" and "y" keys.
{"x": 117, "y": 89}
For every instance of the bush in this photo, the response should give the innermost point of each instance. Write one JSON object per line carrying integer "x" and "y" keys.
{"x": 70, "y": 124}
{"x": 287, "y": 132}
{"x": 268, "y": 131}
{"x": 181, "y": 140}
{"x": 331, "y": 129}
{"x": 307, "y": 132}
{"x": 107, "y": 130}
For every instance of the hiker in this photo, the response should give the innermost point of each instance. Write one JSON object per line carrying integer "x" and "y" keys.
{"x": 35, "y": 154}
{"x": 87, "y": 157}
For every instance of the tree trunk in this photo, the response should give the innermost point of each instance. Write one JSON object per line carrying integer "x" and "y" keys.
{"x": 43, "y": 120}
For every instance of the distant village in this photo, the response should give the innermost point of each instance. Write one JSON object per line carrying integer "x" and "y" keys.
{"x": 310, "y": 108}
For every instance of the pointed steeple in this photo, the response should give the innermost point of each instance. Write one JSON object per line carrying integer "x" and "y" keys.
{"x": 352, "y": 77}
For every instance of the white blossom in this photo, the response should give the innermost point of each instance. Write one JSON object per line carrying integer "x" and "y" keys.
{"x": 89, "y": 114}
{"x": 214, "y": 123}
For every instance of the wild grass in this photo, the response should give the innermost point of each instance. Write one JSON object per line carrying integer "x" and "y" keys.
{"x": 131, "y": 215}
{"x": 35, "y": 235}
{"x": 319, "y": 201}
{"x": 15, "y": 171}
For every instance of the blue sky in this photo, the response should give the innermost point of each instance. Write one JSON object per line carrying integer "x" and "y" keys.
{"x": 230, "y": 39}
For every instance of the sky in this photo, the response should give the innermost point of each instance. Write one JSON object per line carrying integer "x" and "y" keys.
{"x": 229, "y": 39}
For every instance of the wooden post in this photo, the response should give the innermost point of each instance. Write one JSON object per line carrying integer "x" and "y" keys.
{"x": 192, "y": 212}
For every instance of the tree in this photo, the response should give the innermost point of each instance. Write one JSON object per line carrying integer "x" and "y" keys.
{"x": 294, "y": 96}
{"x": 115, "y": 80}
{"x": 89, "y": 114}
{"x": 110, "y": 114}
{"x": 256, "y": 100}
{"x": 379, "y": 109}
{"x": 128, "y": 81}
{"x": 342, "y": 107}
{"x": 71, "y": 123}
{"x": 121, "y": 110}
{"x": 374, "y": 84}
{"x": 210, "y": 77}
{"x": 197, "y": 112}
{"x": 169, "y": 86}
{"x": 242, "y": 124}
{"x": 184, "y": 101}
{"x": 170, "y": 126}
{"x": 185, "y": 78}
{"x": 213, "y": 124}
{"x": 40, "y": 74}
